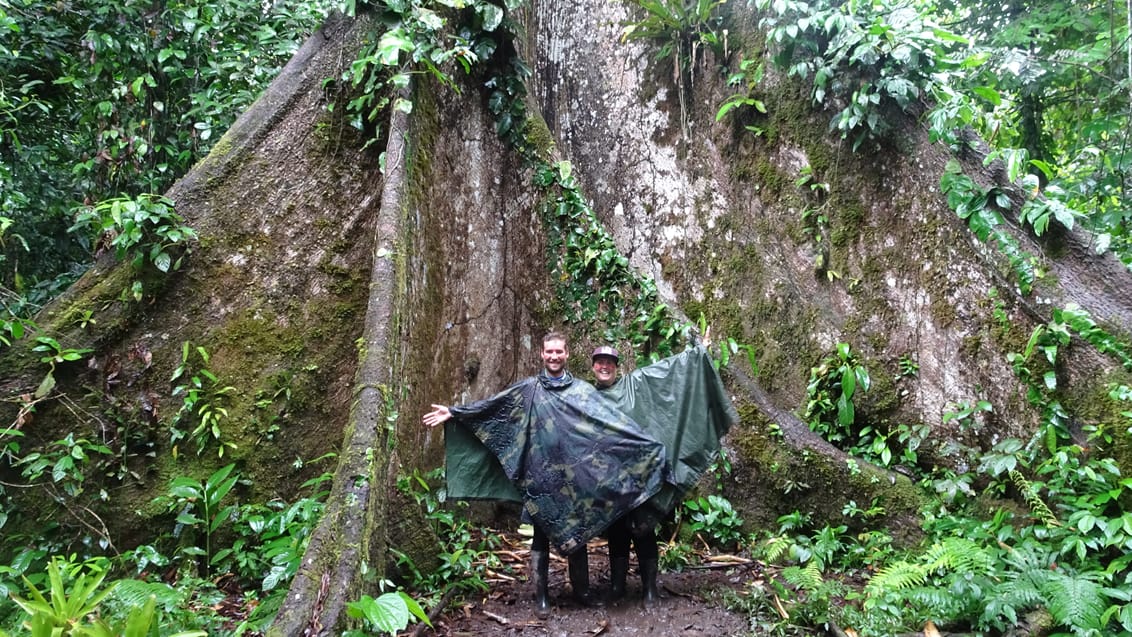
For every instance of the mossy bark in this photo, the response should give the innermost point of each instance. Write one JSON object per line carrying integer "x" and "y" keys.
{"x": 292, "y": 216}
{"x": 437, "y": 269}
{"x": 714, "y": 214}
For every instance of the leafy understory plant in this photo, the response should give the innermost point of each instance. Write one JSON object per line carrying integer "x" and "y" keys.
{"x": 13, "y": 328}
{"x": 464, "y": 560}
{"x": 389, "y": 613}
{"x": 272, "y": 537}
{"x": 198, "y": 507}
{"x": 144, "y": 231}
{"x": 67, "y": 460}
{"x": 750, "y": 75}
{"x": 830, "y": 410}
{"x": 203, "y": 403}
{"x": 898, "y": 444}
{"x": 54, "y": 354}
{"x": 714, "y": 516}
{"x": 63, "y": 608}
{"x": 731, "y": 347}
{"x": 71, "y": 602}
{"x": 959, "y": 578}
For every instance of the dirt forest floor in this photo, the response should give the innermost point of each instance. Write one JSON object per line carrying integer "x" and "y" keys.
{"x": 690, "y": 605}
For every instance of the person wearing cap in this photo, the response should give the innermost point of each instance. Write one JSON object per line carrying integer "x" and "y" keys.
{"x": 622, "y": 533}
{"x": 679, "y": 401}
{"x": 554, "y": 444}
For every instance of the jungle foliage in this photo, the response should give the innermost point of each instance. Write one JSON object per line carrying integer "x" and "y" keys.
{"x": 105, "y": 103}
{"x": 1045, "y": 86}
{"x": 986, "y": 85}
{"x": 106, "y": 99}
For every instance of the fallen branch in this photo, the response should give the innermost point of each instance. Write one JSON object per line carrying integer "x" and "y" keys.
{"x": 779, "y": 607}
{"x": 513, "y": 556}
{"x": 714, "y": 566}
{"x": 731, "y": 559}
{"x": 493, "y": 576}
{"x": 499, "y": 618}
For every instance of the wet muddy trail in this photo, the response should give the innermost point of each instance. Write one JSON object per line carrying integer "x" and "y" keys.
{"x": 691, "y": 603}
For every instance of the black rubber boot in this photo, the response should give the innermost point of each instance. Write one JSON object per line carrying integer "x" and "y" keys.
{"x": 580, "y": 577}
{"x": 540, "y": 567}
{"x": 649, "y": 568}
{"x": 618, "y": 571}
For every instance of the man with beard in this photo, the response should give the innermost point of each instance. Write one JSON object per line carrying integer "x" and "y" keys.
{"x": 575, "y": 462}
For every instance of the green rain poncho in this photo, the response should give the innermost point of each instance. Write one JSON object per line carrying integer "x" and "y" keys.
{"x": 681, "y": 402}
{"x": 579, "y": 458}
{"x": 573, "y": 460}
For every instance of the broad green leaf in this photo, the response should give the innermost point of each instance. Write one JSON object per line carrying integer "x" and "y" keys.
{"x": 1050, "y": 379}
{"x": 988, "y": 94}
{"x": 415, "y": 608}
{"x": 430, "y": 19}
{"x": 391, "y": 45}
{"x": 845, "y": 411}
{"x": 848, "y": 382}
{"x": 46, "y": 385}
{"x": 492, "y": 16}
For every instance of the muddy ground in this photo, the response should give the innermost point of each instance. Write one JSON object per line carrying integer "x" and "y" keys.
{"x": 691, "y": 604}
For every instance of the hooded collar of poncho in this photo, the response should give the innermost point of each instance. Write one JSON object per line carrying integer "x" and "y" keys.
{"x": 554, "y": 383}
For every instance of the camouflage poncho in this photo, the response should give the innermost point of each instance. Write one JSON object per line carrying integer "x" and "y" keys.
{"x": 576, "y": 463}
{"x": 679, "y": 401}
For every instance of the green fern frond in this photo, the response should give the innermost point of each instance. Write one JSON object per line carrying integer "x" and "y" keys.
{"x": 1007, "y": 600}
{"x": 1023, "y": 576}
{"x": 133, "y": 593}
{"x": 935, "y": 602}
{"x": 961, "y": 556}
{"x": 807, "y": 578}
{"x": 1022, "y": 592}
{"x": 1030, "y": 558}
{"x": 896, "y": 577}
{"x": 1075, "y": 601}
{"x": 776, "y": 547}
{"x": 1037, "y": 506}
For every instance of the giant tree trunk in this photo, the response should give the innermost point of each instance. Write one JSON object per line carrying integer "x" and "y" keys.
{"x": 291, "y": 291}
{"x": 381, "y": 293}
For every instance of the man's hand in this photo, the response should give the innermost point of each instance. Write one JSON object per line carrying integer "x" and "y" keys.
{"x": 438, "y": 415}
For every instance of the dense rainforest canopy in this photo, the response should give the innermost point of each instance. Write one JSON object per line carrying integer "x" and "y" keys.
{"x": 224, "y": 282}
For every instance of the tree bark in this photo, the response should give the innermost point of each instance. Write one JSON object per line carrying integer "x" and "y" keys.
{"x": 437, "y": 271}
